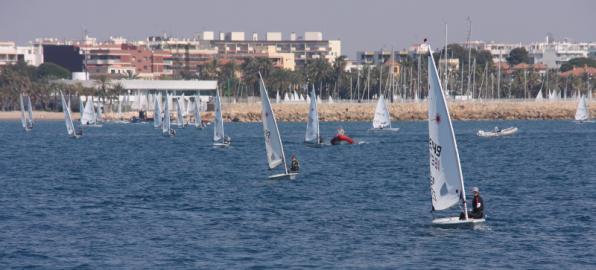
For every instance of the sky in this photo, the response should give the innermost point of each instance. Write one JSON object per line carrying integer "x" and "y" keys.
{"x": 360, "y": 25}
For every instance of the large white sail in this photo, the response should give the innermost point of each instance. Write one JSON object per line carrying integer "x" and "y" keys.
{"x": 446, "y": 180}
{"x": 88, "y": 116}
{"x": 156, "y": 113}
{"x": 197, "y": 112}
{"x": 67, "y": 116}
{"x": 312, "y": 124}
{"x": 165, "y": 127}
{"x": 179, "y": 115}
{"x": 582, "y": 113}
{"x": 273, "y": 145}
{"x": 381, "y": 118}
{"x": 218, "y": 129}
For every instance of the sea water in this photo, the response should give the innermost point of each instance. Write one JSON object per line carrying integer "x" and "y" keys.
{"x": 124, "y": 196}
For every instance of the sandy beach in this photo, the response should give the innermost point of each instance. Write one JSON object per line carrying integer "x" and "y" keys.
{"x": 460, "y": 110}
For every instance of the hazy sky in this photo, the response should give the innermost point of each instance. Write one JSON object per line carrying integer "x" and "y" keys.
{"x": 366, "y": 24}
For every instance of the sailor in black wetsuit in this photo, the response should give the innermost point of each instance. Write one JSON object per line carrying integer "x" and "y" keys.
{"x": 477, "y": 206}
{"x": 295, "y": 165}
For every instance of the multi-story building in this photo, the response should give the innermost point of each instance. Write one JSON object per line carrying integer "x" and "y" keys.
{"x": 554, "y": 54}
{"x": 311, "y": 46}
{"x": 10, "y": 53}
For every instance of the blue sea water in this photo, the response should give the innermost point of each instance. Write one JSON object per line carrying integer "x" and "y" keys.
{"x": 123, "y": 196}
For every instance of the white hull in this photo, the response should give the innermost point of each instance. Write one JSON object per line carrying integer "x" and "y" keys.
{"x": 283, "y": 176}
{"x": 382, "y": 130}
{"x": 455, "y": 221}
{"x": 503, "y": 132}
{"x": 221, "y": 145}
{"x": 95, "y": 125}
{"x": 583, "y": 121}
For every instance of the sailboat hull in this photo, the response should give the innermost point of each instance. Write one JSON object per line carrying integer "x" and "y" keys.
{"x": 456, "y": 222}
{"x": 221, "y": 145}
{"x": 383, "y": 130}
{"x": 313, "y": 144}
{"x": 283, "y": 176}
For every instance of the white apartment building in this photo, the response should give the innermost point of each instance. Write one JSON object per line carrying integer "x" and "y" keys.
{"x": 10, "y": 53}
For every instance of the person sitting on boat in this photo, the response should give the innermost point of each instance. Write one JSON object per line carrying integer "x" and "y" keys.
{"x": 477, "y": 206}
{"x": 341, "y": 137}
{"x": 172, "y": 132}
{"x": 321, "y": 141}
{"x": 295, "y": 165}
{"x": 227, "y": 139}
{"x": 497, "y": 129}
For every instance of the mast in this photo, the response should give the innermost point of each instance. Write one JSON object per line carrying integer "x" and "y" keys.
{"x": 446, "y": 60}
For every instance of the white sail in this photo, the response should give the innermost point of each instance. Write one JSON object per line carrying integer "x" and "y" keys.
{"x": 183, "y": 107}
{"x": 277, "y": 97}
{"x": 156, "y": 113}
{"x": 67, "y": 117}
{"x": 165, "y": 127}
{"x": 179, "y": 115}
{"x": 81, "y": 108}
{"x": 582, "y": 113}
{"x": 539, "y": 96}
{"x": 312, "y": 124}
{"x": 197, "y": 112}
{"x": 381, "y": 118}
{"x": 273, "y": 144}
{"x": 218, "y": 129}
{"x": 447, "y": 184}
{"x": 286, "y": 97}
{"x": 23, "y": 120}
{"x": 88, "y": 116}
{"x": 330, "y": 101}
{"x": 29, "y": 112}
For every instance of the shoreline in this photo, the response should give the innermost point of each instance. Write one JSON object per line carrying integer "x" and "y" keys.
{"x": 346, "y": 112}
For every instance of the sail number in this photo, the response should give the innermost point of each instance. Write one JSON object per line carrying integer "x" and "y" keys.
{"x": 432, "y": 191}
{"x": 434, "y": 147}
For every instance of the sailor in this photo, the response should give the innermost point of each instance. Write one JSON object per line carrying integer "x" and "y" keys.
{"x": 295, "y": 166}
{"x": 227, "y": 140}
{"x": 172, "y": 132}
{"x": 497, "y": 129}
{"x": 477, "y": 205}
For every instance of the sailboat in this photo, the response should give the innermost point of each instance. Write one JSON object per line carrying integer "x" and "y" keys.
{"x": 446, "y": 179}
{"x": 89, "y": 118}
{"x": 582, "y": 114}
{"x": 277, "y": 97}
{"x": 197, "y": 113}
{"x": 179, "y": 115}
{"x": 382, "y": 119}
{"x": 70, "y": 129}
{"x": 273, "y": 144}
{"x": 156, "y": 113}
{"x": 219, "y": 137}
{"x": 539, "y": 96}
{"x": 26, "y": 119}
{"x": 166, "y": 129}
{"x": 313, "y": 136}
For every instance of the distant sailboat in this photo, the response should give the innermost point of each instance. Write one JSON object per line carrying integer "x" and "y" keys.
{"x": 219, "y": 137}
{"x": 330, "y": 101}
{"x": 277, "y": 97}
{"x": 70, "y": 129}
{"x": 582, "y": 114}
{"x": 273, "y": 144}
{"x": 166, "y": 129}
{"x": 446, "y": 179}
{"x": 156, "y": 113}
{"x": 197, "y": 113}
{"x": 26, "y": 119}
{"x": 313, "y": 136}
{"x": 89, "y": 118}
{"x": 382, "y": 119}
{"x": 539, "y": 96}
{"x": 179, "y": 115}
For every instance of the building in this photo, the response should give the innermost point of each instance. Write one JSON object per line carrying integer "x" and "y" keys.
{"x": 10, "y": 53}
{"x": 554, "y": 54}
